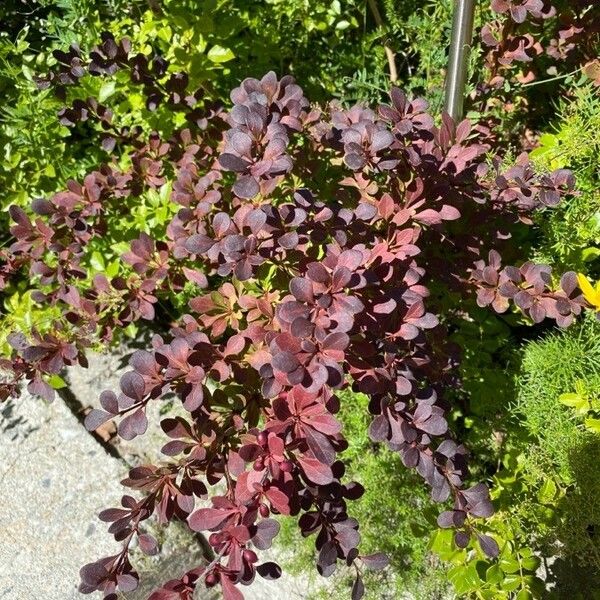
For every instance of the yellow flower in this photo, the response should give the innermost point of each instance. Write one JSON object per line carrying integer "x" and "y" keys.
{"x": 590, "y": 293}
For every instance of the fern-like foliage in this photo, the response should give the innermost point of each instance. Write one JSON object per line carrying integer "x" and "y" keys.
{"x": 560, "y": 447}
{"x": 570, "y": 236}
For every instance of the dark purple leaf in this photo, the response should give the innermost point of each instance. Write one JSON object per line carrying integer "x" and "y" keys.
{"x": 266, "y": 530}
{"x": 246, "y": 187}
{"x": 302, "y": 289}
{"x": 488, "y": 545}
{"x": 375, "y": 562}
{"x": 379, "y": 429}
{"x": 95, "y": 418}
{"x": 132, "y": 385}
{"x": 320, "y": 446}
{"x": 461, "y": 539}
{"x": 327, "y": 559}
{"x": 269, "y": 570}
{"x": 133, "y": 425}
{"x": 358, "y": 589}
{"x": 148, "y": 544}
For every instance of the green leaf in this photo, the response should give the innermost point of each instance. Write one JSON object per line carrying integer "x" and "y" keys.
{"x": 509, "y": 565}
{"x": 577, "y": 401}
{"x": 531, "y": 564}
{"x": 57, "y": 382}
{"x": 547, "y": 492}
{"x": 464, "y": 578}
{"x": 131, "y": 330}
{"x": 112, "y": 270}
{"x": 494, "y": 574}
{"x": 27, "y": 72}
{"x": 97, "y": 261}
{"x": 106, "y": 90}
{"x": 218, "y": 54}
{"x": 592, "y": 425}
{"x": 590, "y": 254}
{"x": 511, "y": 583}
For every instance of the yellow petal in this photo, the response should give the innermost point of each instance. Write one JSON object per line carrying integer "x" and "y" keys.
{"x": 590, "y": 294}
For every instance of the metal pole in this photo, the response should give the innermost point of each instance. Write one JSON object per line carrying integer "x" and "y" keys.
{"x": 458, "y": 60}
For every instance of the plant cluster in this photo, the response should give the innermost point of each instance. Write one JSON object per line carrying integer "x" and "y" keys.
{"x": 563, "y": 445}
{"x": 313, "y": 289}
{"x": 520, "y": 35}
{"x": 284, "y": 254}
{"x": 570, "y": 234}
{"x": 528, "y": 51}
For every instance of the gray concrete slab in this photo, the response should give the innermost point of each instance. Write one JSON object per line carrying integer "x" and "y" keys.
{"x": 54, "y": 479}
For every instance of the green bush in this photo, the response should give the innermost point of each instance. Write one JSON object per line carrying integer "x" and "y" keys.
{"x": 561, "y": 450}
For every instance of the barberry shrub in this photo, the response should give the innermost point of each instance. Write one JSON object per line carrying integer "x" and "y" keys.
{"x": 306, "y": 239}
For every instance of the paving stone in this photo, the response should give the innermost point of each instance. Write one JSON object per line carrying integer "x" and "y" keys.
{"x": 54, "y": 478}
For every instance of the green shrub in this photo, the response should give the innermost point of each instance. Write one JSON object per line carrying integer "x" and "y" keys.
{"x": 551, "y": 367}
{"x": 561, "y": 449}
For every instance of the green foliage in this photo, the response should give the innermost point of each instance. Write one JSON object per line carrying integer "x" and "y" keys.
{"x": 585, "y": 401}
{"x": 400, "y": 530}
{"x": 485, "y": 371}
{"x": 36, "y": 157}
{"x": 418, "y": 34}
{"x": 561, "y": 448}
{"x": 512, "y": 575}
{"x": 570, "y": 234}
{"x": 23, "y": 314}
{"x": 552, "y": 366}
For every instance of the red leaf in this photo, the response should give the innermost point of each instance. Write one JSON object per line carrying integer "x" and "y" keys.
{"x": 449, "y": 213}
{"x": 207, "y": 518}
{"x": 315, "y": 471}
{"x": 278, "y": 500}
{"x": 428, "y": 217}
{"x": 195, "y": 277}
{"x": 301, "y": 289}
{"x": 230, "y": 591}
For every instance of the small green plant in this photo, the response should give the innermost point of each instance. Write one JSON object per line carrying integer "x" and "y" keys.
{"x": 585, "y": 402}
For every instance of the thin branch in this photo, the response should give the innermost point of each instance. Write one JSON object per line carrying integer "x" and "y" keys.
{"x": 391, "y": 57}
{"x": 541, "y": 81}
